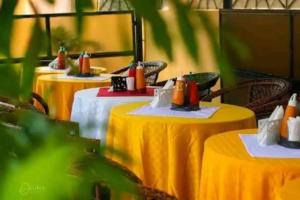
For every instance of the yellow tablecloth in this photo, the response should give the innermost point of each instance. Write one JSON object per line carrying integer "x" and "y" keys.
{"x": 45, "y": 70}
{"x": 230, "y": 173}
{"x": 59, "y": 92}
{"x": 290, "y": 191}
{"x": 167, "y": 151}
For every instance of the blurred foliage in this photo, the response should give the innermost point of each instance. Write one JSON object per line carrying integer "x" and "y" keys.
{"x": 60, "y": 36}
{"x": 37, "y": 157}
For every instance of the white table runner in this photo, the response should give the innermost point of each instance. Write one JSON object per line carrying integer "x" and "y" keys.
{"x": 204, "y": 112}
{"x": 271, "y": 151}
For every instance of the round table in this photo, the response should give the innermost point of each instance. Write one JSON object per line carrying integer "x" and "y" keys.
{"x": 167, "y": 151}
{"x": 290, "y": 191}
{"x": 44, "y": 70}
{"x": 229, "y": 172}
{"x": 58, "y": 91}
{"x": 92, "y": 112}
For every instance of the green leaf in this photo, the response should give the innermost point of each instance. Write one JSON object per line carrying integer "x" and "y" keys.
{"x": 186, "y": 29}
{"x": 220, "y": 57}
{"x": 148, "y": 10}
{"x": 31, "y": 59}
{"x": 6, "y": 20}
{"x": 80, "y": 6}
{"x": 46, "y": 175}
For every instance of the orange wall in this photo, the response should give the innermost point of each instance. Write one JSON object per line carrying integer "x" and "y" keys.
{"x": 182, "y": 63}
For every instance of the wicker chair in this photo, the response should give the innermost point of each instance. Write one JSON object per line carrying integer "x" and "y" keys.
{"x": 261, "y": 94}
{"x": 154, "y": 194}
{"x": 204, "y": 81}
{"x": 152, "y": 70}
{"x": 11, "y": 105}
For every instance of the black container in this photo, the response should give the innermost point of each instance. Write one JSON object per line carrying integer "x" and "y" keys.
{"x": 184, "y": 108}
{"x": 84, "y": 75}
{"x": 289, "y": 144}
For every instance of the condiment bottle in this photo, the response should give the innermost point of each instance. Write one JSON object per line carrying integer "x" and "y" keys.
{"x": 61, "y": 63}
{"x": 178, "y": 93}
{"x": 132, "y": 71}
{"x": 80, "y": 62}
{"x": 290, "y": 111}
{"x": 85, "y": 64}
{"x": 140, "y": 79}
{"x": 192, "y": 92}
{"x": 131, "y": 78}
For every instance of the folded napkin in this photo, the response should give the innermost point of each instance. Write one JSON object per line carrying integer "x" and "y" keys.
{"x": 53, "y": 64}
{"x": 71, "y": 67}
{"x": 268, "y": 132}
{"x": 163, "y": 96}
{"x": 294, "y": 129}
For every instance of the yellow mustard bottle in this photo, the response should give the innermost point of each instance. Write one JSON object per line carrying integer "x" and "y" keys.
{"x": 85, "y": 64}
{"x": 140, "y": 79}
{"x": 178, "y": 93}
{"x": 290, "y": 111}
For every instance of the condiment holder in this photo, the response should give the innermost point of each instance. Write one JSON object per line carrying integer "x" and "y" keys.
{"x": 289, "y": 144}
{"x": 185, "y": 95}
{"x": 135, "y": 82}
{"x": 84, "y": 65}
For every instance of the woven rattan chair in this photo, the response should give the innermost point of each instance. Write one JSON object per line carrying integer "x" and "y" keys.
{"x": 154, "y": 194}
{"x": 260, "y": 94}
{"x": 152, "y": 70}
{"x": 11, "y": 105}
{"x": 205, "y": 81}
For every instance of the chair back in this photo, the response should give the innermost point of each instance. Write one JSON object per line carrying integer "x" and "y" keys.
{"x": 257, "y": 95}
{"x": 152, "y": 70}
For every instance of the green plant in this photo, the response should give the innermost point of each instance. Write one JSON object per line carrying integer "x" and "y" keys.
{"x": 37, "y": 156}
{"x": 59, "y": 36}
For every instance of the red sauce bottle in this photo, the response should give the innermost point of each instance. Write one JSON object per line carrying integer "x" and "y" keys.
{"x": 132, "y": 72}
{"x": 193, "y": 94}
{"x": 61, "y": 62}
{"x": 80, "y": 62}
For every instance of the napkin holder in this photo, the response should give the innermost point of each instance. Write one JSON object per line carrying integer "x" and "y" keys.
{"x": 268, "y": 132}
{"x": 162, "y": 97}
{"x": 119, "y": 83}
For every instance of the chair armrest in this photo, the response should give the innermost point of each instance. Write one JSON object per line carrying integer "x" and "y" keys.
{"x": 41, "y": 101}
{"x": 118, "y": 71}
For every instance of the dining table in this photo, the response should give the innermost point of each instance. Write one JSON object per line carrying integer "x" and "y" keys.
{"x": 233, "y": 170}
{"x": 92, "y": 111}
{"x": 289, "y": 191}
{"x": 58, "y": 91}
{"x": 166, "y": 148}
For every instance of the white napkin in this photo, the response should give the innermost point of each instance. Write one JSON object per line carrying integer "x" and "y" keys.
{"x": 163, "y": 96}
{"x": 294, "y": 129}
{"x": 169, "y": 85}
{"x": 53, "y": 63}
{"x": 268, "y": 132}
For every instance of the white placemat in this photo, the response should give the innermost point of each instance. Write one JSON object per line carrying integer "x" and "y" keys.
{"x": 271, "y": 151}
{"x": 95, "y": 78}
{"x": 204, "y": 112}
